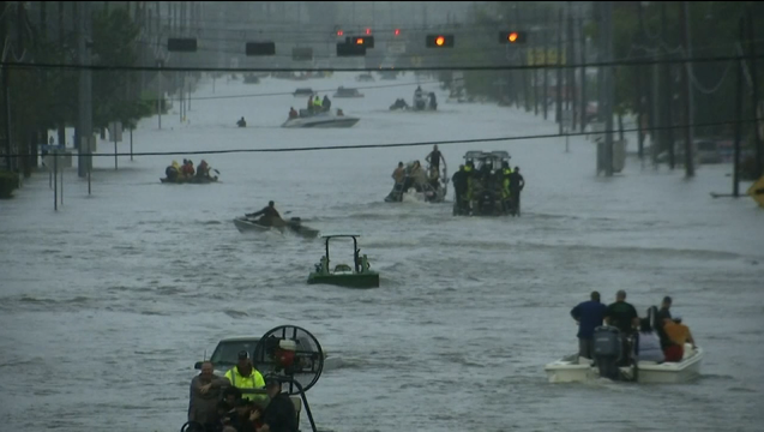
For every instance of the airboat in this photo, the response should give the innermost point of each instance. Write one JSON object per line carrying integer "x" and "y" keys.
{"x": 293, "y": 356}
{"x": 358, "y": 276}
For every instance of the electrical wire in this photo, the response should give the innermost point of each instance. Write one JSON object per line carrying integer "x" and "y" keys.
{"x": 635, "y": 62}
{"x": 407, "y": 144}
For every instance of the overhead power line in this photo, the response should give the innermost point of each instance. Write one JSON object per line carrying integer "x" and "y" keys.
{"x": 394, "y": 145}
{"x": 635, "y": 62}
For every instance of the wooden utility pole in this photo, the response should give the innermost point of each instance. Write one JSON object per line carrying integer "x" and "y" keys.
{"x": 559, "y": 70}
{"x": 755, "y": 98}
{"x": 547, "y": 29}
{"x": 668, "y": 93}
{"x": 738, "y": 117}
{"x": 689, "y": 154}
{"x": 6, "y": 89}
{"x": 571, "y": 87}
{"x": 584, "y": 100}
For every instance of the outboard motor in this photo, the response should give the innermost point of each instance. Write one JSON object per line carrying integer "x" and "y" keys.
{"x": 608, "y": 348}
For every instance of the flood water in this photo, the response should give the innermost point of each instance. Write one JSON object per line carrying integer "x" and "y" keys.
{"x": 106, "y": 304}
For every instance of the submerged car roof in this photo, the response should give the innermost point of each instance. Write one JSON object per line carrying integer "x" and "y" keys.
{"x": 240, "y": 339}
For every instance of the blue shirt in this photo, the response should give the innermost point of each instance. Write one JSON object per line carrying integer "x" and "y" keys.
{"x": 589, "y": 315}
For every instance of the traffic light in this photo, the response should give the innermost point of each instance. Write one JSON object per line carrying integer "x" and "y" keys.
{"x": 368, "y": 31}
{"x": 512, "y": 37}
{"x": 440, "y": 41}
{"x": 340, "y": 32}
{"x": 367, "y": 41}
{"x": 397, "y": 32}
{"x": 261, "y": 48}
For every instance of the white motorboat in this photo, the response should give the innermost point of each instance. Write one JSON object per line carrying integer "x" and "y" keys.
{"x": 574, "y": 369}
{"x": 320, "y": 120}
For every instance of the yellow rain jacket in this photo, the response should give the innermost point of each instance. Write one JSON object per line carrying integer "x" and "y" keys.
{"x": 253, "y": 381}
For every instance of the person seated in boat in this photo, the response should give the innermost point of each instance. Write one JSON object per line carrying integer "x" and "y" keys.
{"x": 340, "y": 113}
{"x": 270, "y": 216}
{"x": 203, "y": 170}
{"x": 293, "y": 114}
{"x": 648, "y": 346}
{"x": 188, "y": 169}
{"x": 241, "y": 122}
{"x": 173, "y": 171}
{"x": 280, "y": 415}
{"x": 326, "y": 104}
{"x": 678, "y": 334}
{"x": 418, "y": 92}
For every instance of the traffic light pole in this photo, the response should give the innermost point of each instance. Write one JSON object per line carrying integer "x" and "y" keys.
{"x": 688, "y": 135}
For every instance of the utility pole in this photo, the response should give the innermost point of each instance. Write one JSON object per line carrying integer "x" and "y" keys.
{"x": 738, "y": 116}
{"x": 606, "y": 24}
{"x": 547, "y": 28}
{"x": 571, "y": 88}
{"x": 759, "y": 170}
{"x": 584, "y": 100}
{"x": 558, "y": 105}
{"x": 6, "y": 90}
{"x": 85, "y": 121}
{"x": 688, "y": 138}
{"x": 668, "y": 93}
{"x": 535, "y": 72}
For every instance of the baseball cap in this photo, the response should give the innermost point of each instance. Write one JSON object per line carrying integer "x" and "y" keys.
{"x": 676, "y": 317}
{"x": 243, "y": 355}
{"x": 271, "y": 380}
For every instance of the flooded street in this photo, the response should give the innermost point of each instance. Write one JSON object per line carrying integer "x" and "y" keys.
{"x": 106, "y": 304}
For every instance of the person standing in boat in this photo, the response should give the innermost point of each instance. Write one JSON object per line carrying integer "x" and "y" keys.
{"x": 459, "y": 181}
{"x": 434, "y": 159}
{"x": 317, "y": 105}
{"x": 663, "y": 313}
{"x": 624, "y": 317}
{"x": 310, "y": 103}
{"x": 326, "y": 104}
{"x": 588, "y": 315}
{"x": 206, "y": 390}
{"x": 245, "y": 376}
{"x": 270, "y": 216}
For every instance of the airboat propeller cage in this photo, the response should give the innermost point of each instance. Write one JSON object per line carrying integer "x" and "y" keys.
{"x": 293, "y": 355}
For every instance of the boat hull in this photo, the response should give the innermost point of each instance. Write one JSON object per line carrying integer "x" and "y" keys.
{"x": 246, "y": 225}
{"x": 349, "y": 280}
{"x": 570, "y": 370}
{"x": 327, "y": 122}
{"x": 192, "y": 180}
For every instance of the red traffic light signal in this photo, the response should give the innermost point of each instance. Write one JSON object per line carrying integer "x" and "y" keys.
{"x": 340, "y": 32}
{"x": 366, "y": 41}
{"x": 440, "y": 41}
{"x": 512, "y": 37}
{"x": 368, "y": 31}
{"x": 397, "y": 32}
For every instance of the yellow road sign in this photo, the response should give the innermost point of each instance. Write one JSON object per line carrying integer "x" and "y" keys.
{"x": 540, "y": 56}
{"x": 756, "y": 191}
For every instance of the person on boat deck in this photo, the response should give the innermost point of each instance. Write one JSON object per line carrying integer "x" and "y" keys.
{"x": 418, "y": 176}
{"x": 317, "y": 104}
{"x": 188, "y": 168}
{"x": 280, "y": 414}
{"x": 663, "y": 313}
{"x": 588, "y": 315}
{"x": 310, "y": 103}
{"x": 516, "y": 185}
{"x": 506, "y": 184}
{"x": 621, "y": 314}
{"x": 459, "y": 180}
{"x": 206, "y": 390}
{"x": 434, "y": 158}
{"x": 340, "y": 113}
{"x": 293, "y": 113}
{"x": 648, "y": 347}
{"x": 245, "y": 376}
{"x": 418, "y": 92}
{"x": 399, "y": 175}
{"x": 326, "y": 104}
{"x": 270, "y": 214}
{"x": 242, "y": 417}
{"x": 678, "y": 334}
{"x": 241, "y": 122}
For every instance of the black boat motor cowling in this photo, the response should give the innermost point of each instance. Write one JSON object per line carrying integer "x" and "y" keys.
{"x": 608, "y": 351}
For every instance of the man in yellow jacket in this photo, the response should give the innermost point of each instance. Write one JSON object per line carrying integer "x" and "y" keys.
{"x": 244, "y": 376}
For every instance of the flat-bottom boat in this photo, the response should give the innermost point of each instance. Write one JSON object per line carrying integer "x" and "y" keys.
{"x": 358, "y": 276}
{"x": 190, "y": 180}
{"x": 320, "y": 120}
{"x": 245, "y": 224}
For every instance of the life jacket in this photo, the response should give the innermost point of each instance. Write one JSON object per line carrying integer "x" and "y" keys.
{"x": 253, "y": 381}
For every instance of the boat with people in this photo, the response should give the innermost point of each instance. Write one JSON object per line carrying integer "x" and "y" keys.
{"x": 421, "y": 102}
{"x": 345, "y": 92}
{"x": 359, "y": 275}
{"x": 186, "y": 174}
{"x": 290, "y": 361}
{"x": 293, "y": 225}
{"x": 320, "y": 119}
{"x": 418, "y": 185}
{"x": 487, "y": 176}
{"x": 305, "y": 91}
{"x": 364, "y": 77}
